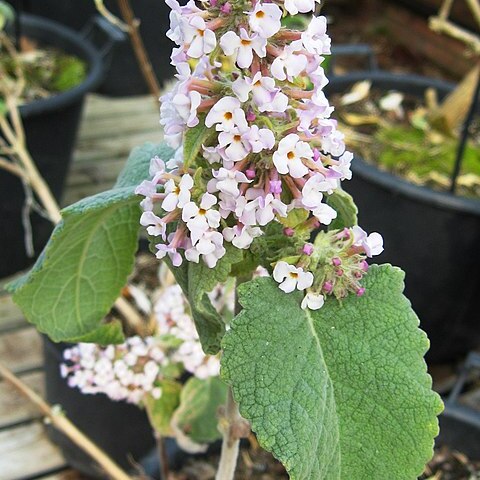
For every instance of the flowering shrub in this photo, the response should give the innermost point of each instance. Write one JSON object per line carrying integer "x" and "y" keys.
{"x": 323, "y": 359}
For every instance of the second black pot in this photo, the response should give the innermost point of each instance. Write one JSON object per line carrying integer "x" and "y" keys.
{"x": 122, "y": 430}
{"x": 433, "y": 236}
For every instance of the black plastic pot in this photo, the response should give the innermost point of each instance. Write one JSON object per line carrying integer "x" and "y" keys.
{"x": 123, "y": 76}
{"x": 122, "y": 430}
{"x": 433, "y": 236}
{"x": 51, "y": 127}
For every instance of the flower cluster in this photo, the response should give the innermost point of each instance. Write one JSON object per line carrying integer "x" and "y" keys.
{"x": 253, "y": 91}
{"x": 134, "y": 369}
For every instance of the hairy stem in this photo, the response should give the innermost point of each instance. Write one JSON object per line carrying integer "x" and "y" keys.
{"x": 234, "y": 427}
{"x": 62, "y": 423}
{"x": 231, "y": 442}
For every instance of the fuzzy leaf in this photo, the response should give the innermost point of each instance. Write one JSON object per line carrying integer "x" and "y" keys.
{"x": 86, "y": 262}
{"x": 193, "y": 140}
{"x": 339, "y": 393}
{"x": 197, "y": 280}
{"x": 160, "y": 410}
{"x": 342, "y": 202}
{"x": 196, "y": 417}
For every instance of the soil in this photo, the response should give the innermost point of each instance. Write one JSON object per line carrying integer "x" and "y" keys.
{"x": 47, "y": 71}
{"x": 256, "y": 464}
{"x": 405, "y": 144}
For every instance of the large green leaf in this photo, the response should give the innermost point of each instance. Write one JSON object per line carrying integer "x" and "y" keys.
{"x": 197, "y": 280}
{"x": 342, "y": 202}
{"x": 86, "y": 262}
{"x": 196, "y": 418}
{"x": 339, "y": 393}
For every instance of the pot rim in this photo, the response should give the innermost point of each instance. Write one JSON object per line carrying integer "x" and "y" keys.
{"x": 87, "y": 52}
{"x": 396, "y": 184}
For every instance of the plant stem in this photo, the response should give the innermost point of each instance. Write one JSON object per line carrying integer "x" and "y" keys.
{"x": 234, "y": 427}
{"x": 139, "y": 49}
{"x": 162, "y": 457}
{"x": 62, "y": 423}
{"x": 231, "y": 442}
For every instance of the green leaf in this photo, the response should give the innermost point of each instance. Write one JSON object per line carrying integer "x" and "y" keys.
{"x": 342, "y": 202}
{"x": 138, "y": 163}
{"x": 196, "y": 417}
{"x": 339, "y": 393}
{"x": 295, "y": 217}
{"x": 160, "y": 410}
{"x": 197, "y": 280}
{"x": 193, "y": 140}
{"x": 86, "y": 262}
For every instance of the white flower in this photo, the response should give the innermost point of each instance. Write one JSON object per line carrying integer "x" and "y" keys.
{"x": 290, "y": 277}
{"x": 260, "y": 139}
{"x": 241, "y": 236}
{"x": 200, "y": 219}
{"x": 235, "y": 144}
{"x": 303, "y": 6}
{"x": 202, "y": 40}
{"x": 243, "y": 47}
{"x": 177, "y": 195}
{"x": 312, "y": 192}
{"x": 265, "y": 207}
{"x": 313, "y": 301}
{"x": 325, "y": 214}
{"x": 186, "y": 106}
{"x": 226, "y": 114}
{"x": 289, "y": 64}
{"x": 371, "y": 244}
{"x": 288, "y": 157}
{"x": 156, "y": 226}
{"x": 343, "y": 166}
{"x": 226, "y": 181}
{"x": 210, "y": 246}
{"x": 265, "y": 19}
{"x": 315, "y": 38}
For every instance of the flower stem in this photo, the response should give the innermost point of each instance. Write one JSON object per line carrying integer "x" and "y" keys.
{"x": 231, "y": 442}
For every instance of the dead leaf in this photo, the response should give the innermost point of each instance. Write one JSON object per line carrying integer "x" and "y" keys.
{"x": 359, "y": 92}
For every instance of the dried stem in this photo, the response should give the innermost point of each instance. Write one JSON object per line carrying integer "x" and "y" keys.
{"x": 63, "y": 424}
{"x": 139, "y": 48}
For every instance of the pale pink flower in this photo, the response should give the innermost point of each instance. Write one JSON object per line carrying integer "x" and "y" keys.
{"x": 156, "y": 227}
{"x": 289, "y": 64}
{"x": 226, "y": 181}
{"x": 186, "y": 106}
{"x": 315, "y": 39}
